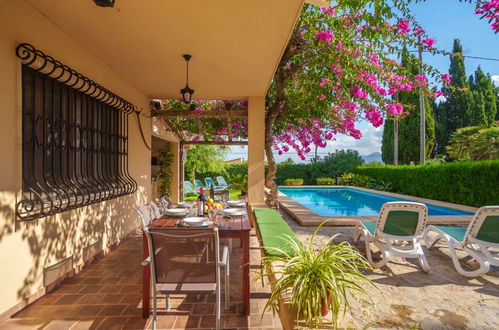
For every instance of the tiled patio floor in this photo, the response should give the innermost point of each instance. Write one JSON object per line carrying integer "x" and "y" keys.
{"x": 107, "y": 295}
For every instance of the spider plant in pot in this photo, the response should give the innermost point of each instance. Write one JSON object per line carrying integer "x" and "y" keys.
{"x": 315, "y": 280}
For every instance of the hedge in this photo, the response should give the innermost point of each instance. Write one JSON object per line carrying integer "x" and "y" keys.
{"x": 467, "y": 183}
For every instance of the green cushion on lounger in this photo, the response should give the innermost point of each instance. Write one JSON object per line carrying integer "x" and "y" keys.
{"x": 273, "y": 229}
{"x": 401, "y": 223}
{"x": 489, "y": 231}
{"x": 455, "y": 232}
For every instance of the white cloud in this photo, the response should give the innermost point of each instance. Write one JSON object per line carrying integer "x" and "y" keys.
{"x": 369, "y": 142}
{"x": 495, "y": 79}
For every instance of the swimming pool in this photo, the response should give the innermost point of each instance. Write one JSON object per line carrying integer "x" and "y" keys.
{"x": 331, "y": 202}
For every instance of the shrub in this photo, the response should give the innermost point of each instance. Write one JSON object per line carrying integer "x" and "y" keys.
{"x": 325, "y": 181}
{"x": 352, "y": 179}
{"x": 293, "y": 182}
{"x": 468, "y": 183}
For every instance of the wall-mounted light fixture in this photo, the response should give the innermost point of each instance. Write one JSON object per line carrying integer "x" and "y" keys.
{"x": 187, "y": 91}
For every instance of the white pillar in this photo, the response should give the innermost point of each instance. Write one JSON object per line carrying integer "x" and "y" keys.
{"x": 256, "y": 149}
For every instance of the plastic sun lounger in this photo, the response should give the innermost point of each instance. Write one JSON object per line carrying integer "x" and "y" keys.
{"x": 397, "y": 232}
{"x": 221, "y": 181}
{"x": 188, "y": 188}
{"x": 477, "y": 239}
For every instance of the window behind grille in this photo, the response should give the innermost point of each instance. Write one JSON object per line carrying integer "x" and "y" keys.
{"x": 74, "y": 147}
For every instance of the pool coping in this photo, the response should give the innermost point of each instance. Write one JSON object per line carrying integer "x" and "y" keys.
{"x": 306, "y": 217}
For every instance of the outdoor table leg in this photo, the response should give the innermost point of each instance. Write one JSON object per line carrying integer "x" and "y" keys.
{"x": 245, "y": 272}
{"x": 146, "y": 280}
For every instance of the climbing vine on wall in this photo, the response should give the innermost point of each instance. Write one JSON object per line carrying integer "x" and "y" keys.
{"x": 165, "y": 173}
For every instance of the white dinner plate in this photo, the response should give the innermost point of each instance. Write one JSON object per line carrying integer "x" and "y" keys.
{"x": 176, "y": 212}
{"x": 183, "y": 205}
{"x": 195, "y": 221}
{"x": 236, "y": 203}
{"x": 234, "y": 212}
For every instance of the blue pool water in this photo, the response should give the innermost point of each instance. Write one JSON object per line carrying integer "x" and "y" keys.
{"x": 330, "y": 202}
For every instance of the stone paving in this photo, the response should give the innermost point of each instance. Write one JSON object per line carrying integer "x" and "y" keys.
{"x": 409, "y": 298}
{"x": 107, "y": 295}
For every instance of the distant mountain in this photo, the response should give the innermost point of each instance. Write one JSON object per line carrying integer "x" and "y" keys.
{"x": 375, "y": 156}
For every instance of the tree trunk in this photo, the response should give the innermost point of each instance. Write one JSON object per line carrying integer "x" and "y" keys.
{"x": 272, "y": 167}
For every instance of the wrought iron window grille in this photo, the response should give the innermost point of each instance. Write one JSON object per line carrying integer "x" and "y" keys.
{"x": 74, "y": 139}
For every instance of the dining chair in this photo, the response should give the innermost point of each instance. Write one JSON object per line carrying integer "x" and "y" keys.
{"x": 180, "y": 264}
{"x": 164, "y": 203}
{"x": 145, "y": 214}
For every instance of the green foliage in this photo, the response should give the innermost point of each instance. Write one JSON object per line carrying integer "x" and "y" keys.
{"x": 202, "y": 159}
{"x": 484, "y": 86}
{"x": 475, "y": 143}
{"x": 331, "y": 166}
{"x": 240, "y": 182}
{"x": 311, "y": 276}
{"x": 468, "y": 183}
{"x": 165, "y": 173}
{"x": 363, "y": 181}
{"x": 325, "y": 181}
{"x": 293, "y": 182}
{"x": 409, "y": 126}
{"x": 459, "y": 104}
{"x": 470, "y": 102}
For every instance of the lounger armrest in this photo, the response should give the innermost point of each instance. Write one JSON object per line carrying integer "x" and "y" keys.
{"x": 225, "y": 256}
{"x": 147, "y": 260}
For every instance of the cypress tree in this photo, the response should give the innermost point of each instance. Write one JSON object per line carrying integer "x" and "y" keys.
{"x": 387, "y": 142}
{"x": 442, "y": 134}
{"x": 478, "y": 116}
{"x": 459, "y": 104}
{"x": 484, "y": 85}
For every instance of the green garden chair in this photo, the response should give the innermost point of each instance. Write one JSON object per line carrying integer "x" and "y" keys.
{"x": 477, "y": 240}
{"x": 397, "y": 232}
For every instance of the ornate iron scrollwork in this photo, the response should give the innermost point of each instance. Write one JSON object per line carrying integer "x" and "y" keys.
{"x": 75, "y": 139}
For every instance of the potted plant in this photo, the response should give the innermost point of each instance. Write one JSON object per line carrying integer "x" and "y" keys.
{"x": 239, "y": 181}
{"x": 313, "y": 281}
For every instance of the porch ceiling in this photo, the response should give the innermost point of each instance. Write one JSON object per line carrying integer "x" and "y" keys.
{"x": 235, "y": 45}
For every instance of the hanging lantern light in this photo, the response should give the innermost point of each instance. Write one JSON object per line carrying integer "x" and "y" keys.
{"x": 187, "y": 91}
{"x": 104, "y": 3}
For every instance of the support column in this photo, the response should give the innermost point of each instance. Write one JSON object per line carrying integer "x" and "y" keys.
{"x": 175, "y": 168}
{"x": 256, "y": 149}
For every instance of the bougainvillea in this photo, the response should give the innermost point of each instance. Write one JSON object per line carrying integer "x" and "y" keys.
{"x": 489, "y": 10}
{"x": 340, "y": 67}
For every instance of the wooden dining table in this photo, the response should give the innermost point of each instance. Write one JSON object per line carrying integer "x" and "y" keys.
{"x": 234, "y": 227}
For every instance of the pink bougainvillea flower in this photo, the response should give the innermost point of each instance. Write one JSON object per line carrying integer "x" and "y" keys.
{"x": 329, "y": 11}
{"x": 437, "y": 94}
{"x": 325, "y": 36}
{"x": 428, "y": 42}
{"x": 446, "y": 78}
{"x": 422, "y": 79}
{"x": 196, "y": 138}
{"x": 322, "y": 97}
{"x": 403, "y": 26}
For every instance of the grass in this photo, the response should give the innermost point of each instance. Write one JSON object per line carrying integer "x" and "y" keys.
{"x": 233, "y": 195}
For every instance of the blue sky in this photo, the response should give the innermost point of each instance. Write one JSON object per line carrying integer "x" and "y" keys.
{"x": 444, "y": 20}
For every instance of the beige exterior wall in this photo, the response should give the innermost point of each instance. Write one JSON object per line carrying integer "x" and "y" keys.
{"x": 256, "y": 149}
{"x": 64, "y": 240}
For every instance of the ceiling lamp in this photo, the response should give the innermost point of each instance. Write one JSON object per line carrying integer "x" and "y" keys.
{"x": 187, "y": 91}
{"x": 104, "y": 3}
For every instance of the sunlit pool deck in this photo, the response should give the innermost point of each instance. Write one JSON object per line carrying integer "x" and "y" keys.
{"x": 306, "y": 217}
